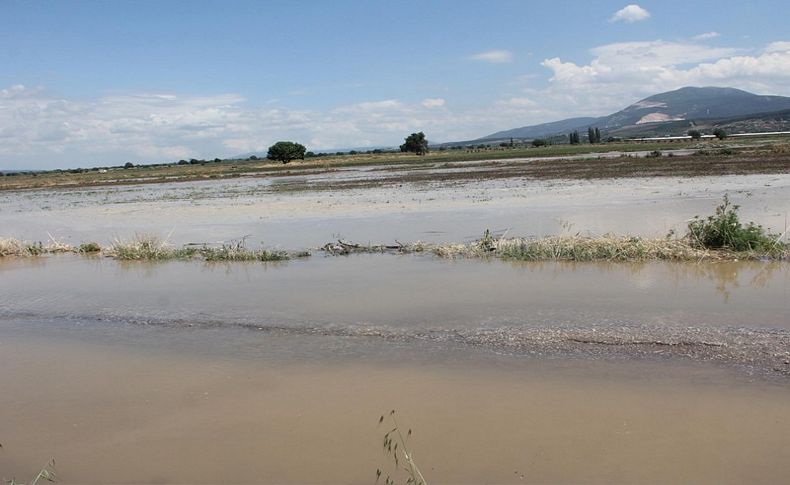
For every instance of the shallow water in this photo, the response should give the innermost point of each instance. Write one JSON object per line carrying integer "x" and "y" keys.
{"x": 160, "y": 405}
{"x": 734, "y": 313}
{"x": 415, "y": 291}
{"x": 224, "y": 210}
{"x": 186, "y": 372}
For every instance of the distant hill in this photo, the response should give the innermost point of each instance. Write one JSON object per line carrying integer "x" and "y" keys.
{"x": 666, "y": 113}
{"x": 537, "y": 131}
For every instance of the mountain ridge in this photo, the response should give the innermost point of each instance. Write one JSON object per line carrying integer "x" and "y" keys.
{"x": 689, "y": 104}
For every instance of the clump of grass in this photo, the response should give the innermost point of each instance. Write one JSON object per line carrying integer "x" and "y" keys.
{"x": 397, "y": 449}
{"x": 235, "y": 251}
{"x": 724, "y": 231}
{"x": 606, "y": 248}
{"x": 19, "y": 248}
{"x": 89, "y": 247}
{"x": 14, "y": 247}
{"x": 151, "y": 248}
{"x": 148, "y": 248}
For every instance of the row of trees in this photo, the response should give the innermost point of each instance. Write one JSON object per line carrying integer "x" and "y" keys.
{"x": 593, "y": 136}
{"x": 718, "y": 133}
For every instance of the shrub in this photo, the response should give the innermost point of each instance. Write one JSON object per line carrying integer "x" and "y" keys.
{"x": 90, "y": 247}
{"x": 724, "y": 230}
{"x": 719, "y": 133}
{"x": 539, "y": 142}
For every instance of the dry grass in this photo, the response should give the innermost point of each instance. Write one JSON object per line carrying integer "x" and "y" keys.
{"x": 604, "y": 248}
{"x": 23, "y": 249}
{"x": 152, "y": 248}
{"x": 147, "y": 248}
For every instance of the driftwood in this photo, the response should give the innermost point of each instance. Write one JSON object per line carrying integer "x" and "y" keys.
{"x": 341, "y": 248}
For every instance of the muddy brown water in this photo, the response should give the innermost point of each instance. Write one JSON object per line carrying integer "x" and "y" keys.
{"x": 120, "y": 411}
{"x": 507, "y": 373}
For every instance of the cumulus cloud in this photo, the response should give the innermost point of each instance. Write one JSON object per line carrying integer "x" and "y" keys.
{"x": 37, "y": 128}
{"x": 629, "y": 14}
{"x": 493, "y": 57}
{"x": 631, "y": 70}
{"x": 706, "y": 36}
{"x": 433, "y": 102}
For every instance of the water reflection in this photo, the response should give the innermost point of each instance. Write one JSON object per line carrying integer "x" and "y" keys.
{"x": 418, "y": 291}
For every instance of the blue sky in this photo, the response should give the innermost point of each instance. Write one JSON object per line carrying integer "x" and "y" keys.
{"x": 91, "y": 83}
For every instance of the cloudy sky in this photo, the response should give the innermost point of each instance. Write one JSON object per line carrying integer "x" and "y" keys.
{"x": 93, "y": 83}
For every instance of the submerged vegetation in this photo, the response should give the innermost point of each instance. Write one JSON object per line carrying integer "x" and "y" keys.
{"x": 721, "y": 236}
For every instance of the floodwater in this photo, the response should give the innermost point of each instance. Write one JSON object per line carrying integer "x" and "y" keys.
{"x": 189, "y": 372}
{"x": 212, "y": 211}
{"x": 158, "y": 405}
{"x": 186, "y": 372}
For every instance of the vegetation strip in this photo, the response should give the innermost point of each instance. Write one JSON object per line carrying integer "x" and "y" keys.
{"x": 720, "y": 236}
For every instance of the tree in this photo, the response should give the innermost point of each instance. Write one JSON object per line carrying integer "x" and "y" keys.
{"x": 593, "y": 135}
{"x": 695, "y": 134}
{"x": 539, "y": 142}
{"x": 573, "y": 137}
{"x": 415, "y": 143}
{"x": 285, "y": 151}
{"x": 128, "y": 165}
{"x": 719, "y": 133}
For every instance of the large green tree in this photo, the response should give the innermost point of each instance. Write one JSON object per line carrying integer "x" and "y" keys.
{"x": 285, "y": 151}
{"x": 415, "y": 143}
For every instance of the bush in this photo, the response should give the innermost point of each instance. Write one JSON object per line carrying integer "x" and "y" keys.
{"x": 719, "y": 133}
{"x": 539, "y": 142}
{"x": 128, "y": 165}
{"x": 724, "y": 230}
{"x": 695, "y": 134}
{"x": 90, "y": 247}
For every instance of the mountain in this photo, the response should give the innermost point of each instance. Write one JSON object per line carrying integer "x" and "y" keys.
{"x": 679, "y": 109}
{"x": 538, "y": 131}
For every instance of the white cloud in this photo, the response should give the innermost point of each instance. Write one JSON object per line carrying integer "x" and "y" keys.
{"x": 623, "y": 72}
{"x": 494, "y": 57}
{"x": 433, "y": 102}
{"x": 629, "y": 14}
{"x": 38, "y": 129}
{"x": 706, "y": 36}
{"x": 517, "y": 102}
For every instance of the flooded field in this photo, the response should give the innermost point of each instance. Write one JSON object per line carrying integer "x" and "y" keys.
{"x": 196, "y": 372}
{"x": 439, "y": 211}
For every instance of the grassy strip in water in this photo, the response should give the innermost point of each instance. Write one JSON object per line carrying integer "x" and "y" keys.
{"x": 20, "y": 248}
{"x": 606, "y": 248}
{"x": 151, "y": 248}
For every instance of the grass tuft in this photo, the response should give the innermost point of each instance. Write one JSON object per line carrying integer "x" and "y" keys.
{"x": 235, "y": 251}
{"x": 89, "y": 247}
{"x": 148, "y": 248}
